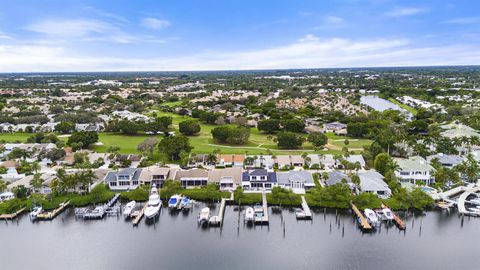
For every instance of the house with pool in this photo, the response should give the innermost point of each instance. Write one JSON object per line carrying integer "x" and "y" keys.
{"x": 415, "y": 170}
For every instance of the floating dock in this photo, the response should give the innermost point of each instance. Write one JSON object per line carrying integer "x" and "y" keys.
{"x": 396, "y": 219}
{"x": 12, "y": 215}
{"x": 139, "y": 216}
{"x": 306, "y": 208}
{"x": 363, "y": 223}
{"x": 52, "y": 214}
{"x": 262, "y": 219}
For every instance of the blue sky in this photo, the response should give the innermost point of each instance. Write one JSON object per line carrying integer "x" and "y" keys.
{"x": 120, "y": 35}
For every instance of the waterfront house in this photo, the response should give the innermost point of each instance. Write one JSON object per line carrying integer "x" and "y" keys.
{"x": 373, "y": 182}
{"x": 337, "y": 177}
{"x": 258, "y": 180}
{"x": 192, "y": 178}
{"x": 447, "y": 161}
{"x": 26, "y": 182}
{"x": 297, "y": 181}
{"x": 124, "y": 179}
{"x": 156, "y": 175}
{"x": 415, "y": 170}
{"x": 227, "y": 179}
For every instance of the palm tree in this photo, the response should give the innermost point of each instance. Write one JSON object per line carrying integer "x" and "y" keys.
{"x": 36, "y": 182}
{"x": 35, "y": 166}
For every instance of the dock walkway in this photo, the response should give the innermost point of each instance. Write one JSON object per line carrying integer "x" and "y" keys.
{"x": 12, "y": 215}
{"x": 400, "y": 224}
{"x": 52, "y": 214}
{"x": 218, "y": 219}
{"x": 461, "y": 202}
{"x": 137, "y": 219}
{"x": 361, "y": 218}
{"x": 306, "y": 208}
{"x": 263, "y": 219}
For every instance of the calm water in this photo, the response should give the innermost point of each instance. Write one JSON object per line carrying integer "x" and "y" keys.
{"x": 175, "y": 242}
{"x": 380, "y": 104}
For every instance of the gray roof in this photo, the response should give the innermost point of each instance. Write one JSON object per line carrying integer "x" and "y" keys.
{"x": 336, "y": 177}
{"x": 372, "y": 181}
{"x": 446, "y": 159}
{"x": 112, "y": 176}
{"x": 413, "y": 164}
{"x": 300, "y": 176}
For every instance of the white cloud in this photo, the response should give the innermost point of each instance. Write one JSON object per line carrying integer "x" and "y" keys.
{"x": 404, "y": 11}
{"x": 308, "y": 52}
{"x": 155, "y": 23}
{"x": 334, "y": 20}
{"x": 4, "y": 36}
{"x": 464, "y": 20}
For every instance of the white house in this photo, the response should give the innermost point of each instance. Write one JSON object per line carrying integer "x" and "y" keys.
{"x": 372, "y": 182}
{"x": 415, "y": 170}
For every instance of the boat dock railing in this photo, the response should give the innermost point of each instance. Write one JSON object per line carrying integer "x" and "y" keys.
{"x": 12, "y": 215}
{"x": 361, "y": 218}
{"x": 263, "y": 219}
{"x": 306, "y": 208}
{"x": 52, "y": 214}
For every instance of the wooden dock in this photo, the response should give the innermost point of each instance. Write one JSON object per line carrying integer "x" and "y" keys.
{"x": 396, "y": 219}
{"x": 263, "y": 219}
{"x": 218, "y": 219}
{"x": 12, "y": 215}
{"x": 137, "y": 219}
{"x": 361, "y": 218}
{"x": 52, "y": 214}
{"x": 306, "y": 208}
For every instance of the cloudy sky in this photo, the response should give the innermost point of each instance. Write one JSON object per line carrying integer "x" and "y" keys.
{"x": 121, "y": 35}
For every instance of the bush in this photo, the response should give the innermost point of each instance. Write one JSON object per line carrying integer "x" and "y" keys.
{"x": 189, "y": 127}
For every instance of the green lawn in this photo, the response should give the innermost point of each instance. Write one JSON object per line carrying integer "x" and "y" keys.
{"x": 14, "y": 137}
{"x": 406, "y": 107}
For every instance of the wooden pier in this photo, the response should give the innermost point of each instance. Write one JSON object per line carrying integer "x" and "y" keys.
{"x": 306, "y": 208}
{"x": 361, "y": 218}
{"x": 12, "y": 215}
{"x": 396, "y": 219}
{"x": 218, "y": 219}
{"x": 52, "y": 214}
{"x": 263, "y": 219}
{"x": 137, "y": 219}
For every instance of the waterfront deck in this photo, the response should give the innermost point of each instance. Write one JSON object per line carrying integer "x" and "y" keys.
{"x": 12, "y": 215}
{"x": 54, "y": 213}
{"x": 363, "y": 223}
{"x": 263, "y": 219}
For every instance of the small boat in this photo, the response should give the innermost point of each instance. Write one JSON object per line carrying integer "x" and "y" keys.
{"x": 127, "y": 211}
{"x": 388, "y": 214}
{"x": 249, "y": 214}
{"x": 372, "y": 218}
{"x": 258, "y": 208}
{"x": 204, "y": 215}
{"x": 300, "y": 214}
{"x": 35, "y": 212}
{"x": 186, "y": 203}
{"x": 154, "y": 203}
{"x": 174, "y": 201}
{"x": 97, "y": 212}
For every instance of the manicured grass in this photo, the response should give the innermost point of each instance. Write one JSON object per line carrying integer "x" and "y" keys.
{"x": 14, "y": 137}
{"x": 406, "y": 107}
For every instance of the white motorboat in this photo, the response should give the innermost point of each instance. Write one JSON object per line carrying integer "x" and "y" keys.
{"x": 127, "y": 211}
{"x": 154, "y": 204}
{"x": 388, "y": 214}
{"x": 35, "y": 212}
{"x": 204, "y": 215}
{"x": 372, "y": 218}
{"x": 174, "y": 201}
{"x": 186, "y": 203}
{"x": 300, "y": 214}
{"x": 249, "y": 214}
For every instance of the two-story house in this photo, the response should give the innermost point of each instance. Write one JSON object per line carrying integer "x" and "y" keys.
{"x": 156, "y": 175}
{"x": 124, "y": 179}
{"x": 259, "y": 180}
{"x": 415, "y": 170}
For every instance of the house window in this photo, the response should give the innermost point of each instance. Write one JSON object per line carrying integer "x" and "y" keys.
{"x": 263, "y": 177}
{"x": 113, "y": 184}
{"x": 123, "y": 177}
{"x": 135, "y": 182}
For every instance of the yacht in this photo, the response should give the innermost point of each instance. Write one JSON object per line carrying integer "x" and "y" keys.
{"x": 127, "y": 211}
{"x": 204, "y": 215}
{"x": 154, "y": 203}
{"x": 372, "y": 218}
{"x": 249, "y": 214}
{"x": 35, "y": 212}
{"x": 174, "y": 201}
{"x": 388, "y": 214}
